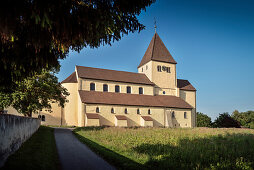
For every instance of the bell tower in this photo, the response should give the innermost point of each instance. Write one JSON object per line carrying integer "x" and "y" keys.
{"x": 160, "y": 67}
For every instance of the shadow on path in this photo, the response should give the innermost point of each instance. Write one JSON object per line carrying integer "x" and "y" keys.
{"x": 75, "y": 155}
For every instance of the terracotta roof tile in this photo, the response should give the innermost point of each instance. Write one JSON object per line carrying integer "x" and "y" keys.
{"x": 92, "y": 116}
{"x": 94, "y": 97}
{"x": 112, "y": 75}
{"x": 71, "y": 79}
{"x": 185, "y": 85}
{"x": 121, "y": 117}
{"x": 157, "y": 51}
{"x": 147, "y": 118}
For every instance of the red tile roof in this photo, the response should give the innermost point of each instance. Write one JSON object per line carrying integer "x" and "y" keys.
{"x": 92, "y": 116}
{"x": 121, "y": 117}
{"x": 147, "y": 118}
{"x": 157, "y": 51}
{"x": 185, "y": 85}
{"x": 95, "y": 97}
{"x": 112, "y": 75}
{"x": 71, "y": 79}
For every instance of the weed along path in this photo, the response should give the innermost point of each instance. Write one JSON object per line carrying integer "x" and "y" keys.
{"x": 75, "y": 155}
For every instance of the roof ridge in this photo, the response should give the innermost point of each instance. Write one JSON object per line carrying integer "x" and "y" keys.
{"x": 111, "y": 70}
{"x": 153, "y": 44}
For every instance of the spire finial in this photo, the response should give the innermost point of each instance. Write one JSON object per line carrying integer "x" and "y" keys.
{"x": 155, "y": 26}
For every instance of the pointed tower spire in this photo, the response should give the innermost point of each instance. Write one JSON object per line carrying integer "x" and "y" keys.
{"x": 157, "y": 51}
{"x": 155, "y": 26}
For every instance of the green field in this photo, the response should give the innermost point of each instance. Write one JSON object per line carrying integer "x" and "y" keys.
{"x": 161, "y": 148}
{"x": 38, "y": 152}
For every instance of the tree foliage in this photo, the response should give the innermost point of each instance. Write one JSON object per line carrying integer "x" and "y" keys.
{"x": 246, "y": 119}
{"x": 35, "y": 34}
{"x": 226, "y": 121}
{"x": 203, "y": 120}
{"x": 35, "y": 93}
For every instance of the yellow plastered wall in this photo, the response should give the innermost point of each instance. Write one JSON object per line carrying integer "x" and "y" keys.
{"x": 146, "y": 69}
{"x": 190, "y": 97}
{"x": 147, "y": 89}
{"x": 71, "y": 107}
{"x": 121, "y": 123}
{"x": 146, "y": 123}
{"x": 53, "y": 118}
{"x": 92, "y": 122}
{"x": 178, "y": 120}
{"x": 133, "y": 119}
{"x": 164, "y": 81}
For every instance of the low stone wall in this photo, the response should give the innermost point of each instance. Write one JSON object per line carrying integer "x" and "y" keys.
{"x": 14, "y": 130}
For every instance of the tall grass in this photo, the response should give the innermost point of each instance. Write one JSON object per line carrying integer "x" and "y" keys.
{"x": 161, "y": 148}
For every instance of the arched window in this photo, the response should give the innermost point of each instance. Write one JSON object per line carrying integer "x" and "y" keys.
{"x": 149, "y": 111}
{"x": 164, "y": 92}
{"x": 43, "y": 118}
{"x": 105, "y": 87}
{"x": 185, "y": 115}
{"x": 97, "y": 110}
{"x": 146, "y": 67}
{"x": 125, "y": 111}
{"x": 128, "y": 89}
{"x": 92, "y": 86}
{"x": 117, "y": 89}
{"x": 142, "y": 69}
{"x": 112, "y": 110}
{"x": 140, "y": 90}
{"x": 159, "y": 68}
{"x": 173, "y": 114}
{"x": 138, "y": 112}
{"x": 39, "y": 117}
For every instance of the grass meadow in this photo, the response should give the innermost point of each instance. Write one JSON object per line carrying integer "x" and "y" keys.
{"x": 162, "y": 148}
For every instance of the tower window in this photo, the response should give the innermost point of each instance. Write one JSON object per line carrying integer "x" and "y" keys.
{"x": 159, "y": 68}
{"x": 146, "y": 67}
{"x": 105, "y": 87}
{"x": 128, "y": 89}
{"x": 112, "y": 110}
{"x": 125, "y": 111}
{"x": 92, "y": 86}
{"x": 173, "y": 114}
{"x": 168, "y": 69}
{"x": 140, "y": 90}
{"x": 185, "y": 115}
{"x": 138, "y": 112}
{"x": 117, "y": 89}
{"x": 149, "y": 111}
{"x": 43, "y": 118}
{"x": 97, "y": 110}
{"x": 142, "y": 69}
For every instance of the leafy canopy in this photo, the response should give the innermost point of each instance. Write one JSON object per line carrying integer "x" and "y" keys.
{"x": 246, "y": 119}
{"x": 203, "y": 120}
{"x": 35, "y": 93}
{"x": 35, "y": 34}
{"x": 226, "y": 121}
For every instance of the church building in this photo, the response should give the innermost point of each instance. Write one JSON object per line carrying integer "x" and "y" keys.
{"x": 151, "y": 97}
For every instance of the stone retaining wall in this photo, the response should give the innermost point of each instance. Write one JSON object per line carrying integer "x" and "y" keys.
{"x": 14, "y": 130}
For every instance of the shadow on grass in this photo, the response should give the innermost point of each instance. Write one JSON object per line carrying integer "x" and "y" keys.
{"x": 117, "y": 160}
{"x": 232, "y": 151}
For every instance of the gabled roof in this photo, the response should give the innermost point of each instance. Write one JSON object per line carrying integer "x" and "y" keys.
{"x": 95, "y": 97}
{"x": 92, "y": 116}
{"x": 157, "y": 51}
{"x": 112, "y": 75}
{"x": 121, "y": 117}
{"x": 71, "y": 79}
{"x": 185, "y": 85}
{"x": 147, "y": 118}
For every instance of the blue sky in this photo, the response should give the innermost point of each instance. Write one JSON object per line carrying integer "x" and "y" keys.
{"x": 212, "y": 42}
